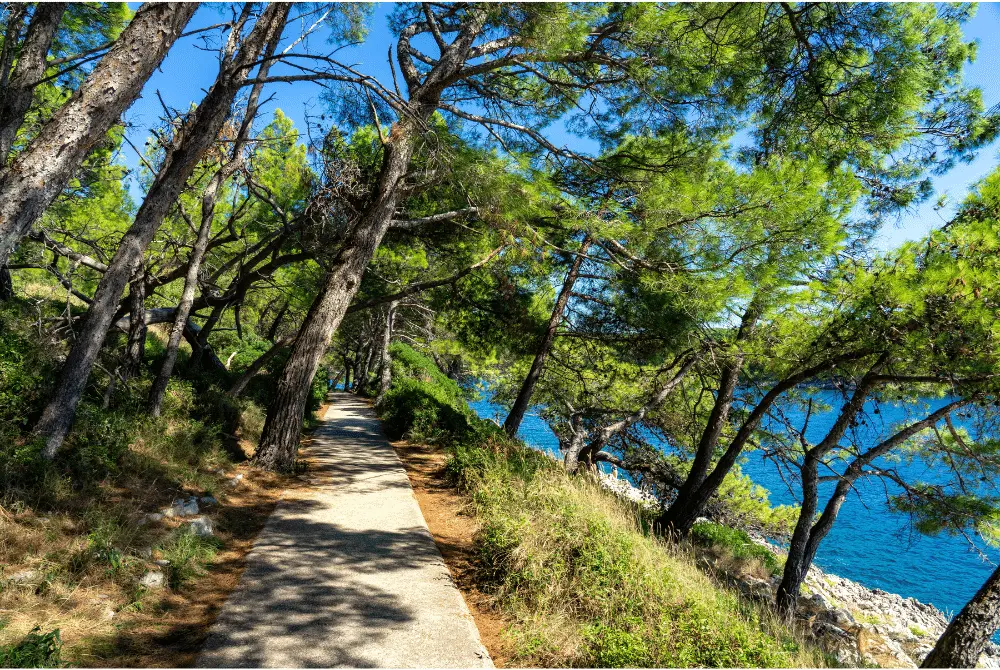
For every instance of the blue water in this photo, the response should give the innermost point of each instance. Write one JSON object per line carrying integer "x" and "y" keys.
{"x": 868, "y": 543}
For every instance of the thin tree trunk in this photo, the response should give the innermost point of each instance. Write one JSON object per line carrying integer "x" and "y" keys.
{"x": 136, "y": 347}
{"x": 241, "y": 382}
{"x": 199, "y": 132}
{"x": 385, "y": 360}
{"x": 42, "y": 170}
{"x": 208, "y": 201}
{"x": 523, "y": 400}
{"x": 966, "y": 636}
{"x": 364, "y": 375}
{"x": 17, "y": 93}
{"x": 678, "y": 519}
{"x": 283, "y": 427}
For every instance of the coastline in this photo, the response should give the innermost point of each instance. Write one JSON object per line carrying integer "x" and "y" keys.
{"x": 857, "y": 625}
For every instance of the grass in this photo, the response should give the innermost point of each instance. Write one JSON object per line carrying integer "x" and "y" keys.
{"x": 584, "y": 585}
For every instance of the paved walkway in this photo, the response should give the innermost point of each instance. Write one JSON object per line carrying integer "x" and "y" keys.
{"x": 346, "y": 573}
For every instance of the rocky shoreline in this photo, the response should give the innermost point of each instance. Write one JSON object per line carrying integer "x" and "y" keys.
{"x": 859, "y": 626}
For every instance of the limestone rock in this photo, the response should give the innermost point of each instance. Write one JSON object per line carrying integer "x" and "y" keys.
{"x": 153, "y": 580}
{"x": 25, "y": 577}
{"x": 202, "y": 526}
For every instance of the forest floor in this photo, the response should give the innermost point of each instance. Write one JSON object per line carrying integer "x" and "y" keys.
{"x": 346, "y": 572}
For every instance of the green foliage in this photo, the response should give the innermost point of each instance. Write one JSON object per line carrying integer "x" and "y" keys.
{"x": 736, "y": 543}
{"x": 36, "y": 650}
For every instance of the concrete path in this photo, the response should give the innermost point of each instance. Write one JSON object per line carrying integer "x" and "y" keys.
{"x": 346, "y": 573}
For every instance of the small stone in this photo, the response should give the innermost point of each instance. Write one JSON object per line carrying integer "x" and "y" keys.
{"x": 153, "y": 580}
{"x": 24, "y": 577}
{"x": 153, "y": 517}
{"x": 202, "y": 526}
{"x": 236, "y": 480}
{"x": 208, "y": 500}
{"x": 145, "y": 552}
{"x": 162, "y": 562}
{"x": 108, "y": 613}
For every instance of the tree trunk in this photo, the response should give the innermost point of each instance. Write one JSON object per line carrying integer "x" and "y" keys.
{"x": 208, "y": 201}
{"x": 198, "y": 133}
{"x": 159, "y": 387}
{"x": 364, "y": 375}
{"x": 283, "y": 427}
{"x": 136, "y": 347}
{"x": 6, "y": 284}
{"x": 241, "y": 382}
{"x": 42, "y": 170}
{"x": 385, "y": 360}
{"x": 678, "y": 519}
{"x": 16, "y": 95}
{"x": 523, "y": 400}
{"x": 966, "y": 636}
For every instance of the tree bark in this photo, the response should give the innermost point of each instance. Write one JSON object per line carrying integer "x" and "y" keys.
{"x": 16, "y": 95}
{"x": 136, "y": 346}
{"x": 364, "y": 374}
{"x": 41, "y": 171}
{"x": 966, "y": 636}
{"x": 197, "y": 134}
{"x": 523, "y": 400}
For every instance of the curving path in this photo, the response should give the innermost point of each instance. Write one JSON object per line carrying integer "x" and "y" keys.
{"x": 346, "y": 573}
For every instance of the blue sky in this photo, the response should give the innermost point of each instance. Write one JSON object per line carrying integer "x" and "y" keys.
{"x": 188, "y": 71}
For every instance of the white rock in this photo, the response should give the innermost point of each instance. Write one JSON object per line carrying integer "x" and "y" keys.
{"x": 202, "y": 526}
{"x": 162, "y": 562}
{"x": 153, "y": 580}
{"x": 236, "y": 480}
{"x": 24, "y": 577}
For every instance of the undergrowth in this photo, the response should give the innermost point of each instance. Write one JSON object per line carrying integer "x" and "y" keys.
{"x": 74, "y": 544}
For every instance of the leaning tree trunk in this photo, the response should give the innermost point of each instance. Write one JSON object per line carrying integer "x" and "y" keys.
{"x": 364, "y": 375}
{"x": 283, "y": 427}
{"x": 523, "y": 400}
{"x": 966, "y": 636}
{"x": 159, "y": 387}
{"x": 198, "y": 134}
{"x": 136, "y": 346}
{"x": 16, "y": 95}
{"x": 241, "y": 382}
{"x": 41, "y": 171}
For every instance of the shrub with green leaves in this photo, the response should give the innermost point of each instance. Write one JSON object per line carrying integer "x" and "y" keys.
{"x": 36, "y": 650}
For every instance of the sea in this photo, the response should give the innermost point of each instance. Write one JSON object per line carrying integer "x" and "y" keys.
{"x": 869, "y": 543}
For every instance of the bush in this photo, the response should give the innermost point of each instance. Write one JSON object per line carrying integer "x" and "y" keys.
{"x": 736, "y": 543}
{"x": 36, "y": 650}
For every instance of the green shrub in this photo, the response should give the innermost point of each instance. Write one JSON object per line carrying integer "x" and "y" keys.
{"x": 736, "y": 543}
{"x": 36, "y": 650}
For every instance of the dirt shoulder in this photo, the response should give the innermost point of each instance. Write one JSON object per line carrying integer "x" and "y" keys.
{"x": 444, "y": 510}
